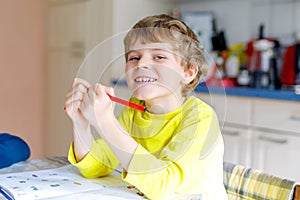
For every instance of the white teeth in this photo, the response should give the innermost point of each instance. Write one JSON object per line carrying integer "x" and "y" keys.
{"x": 144, "y": 80}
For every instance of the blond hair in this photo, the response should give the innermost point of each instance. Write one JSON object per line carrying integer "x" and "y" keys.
{"x": 164, "y": 28}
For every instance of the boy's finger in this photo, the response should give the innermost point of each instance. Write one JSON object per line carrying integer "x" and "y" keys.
{"x": 72, "y": 107}
{"x": 81, "y": 88}
{"x": 78, "y": 90}
{"x": 91, "y": 94}
{"x": 99, "y": 89}
{"x": 81, "y": 81}
{"x": 74, "y": 97}
{"x": 109, "y": 90}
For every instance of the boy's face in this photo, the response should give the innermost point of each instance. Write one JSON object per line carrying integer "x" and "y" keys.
{"x": 154, "y": 71}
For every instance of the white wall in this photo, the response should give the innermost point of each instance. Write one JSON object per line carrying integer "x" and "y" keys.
{"x": 127, "y": 13}
{"x": 241, "y": 19}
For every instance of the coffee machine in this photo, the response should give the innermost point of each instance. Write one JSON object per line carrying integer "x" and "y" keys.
{"x": 264, "y": 69}
{"x": 262, "y": 64}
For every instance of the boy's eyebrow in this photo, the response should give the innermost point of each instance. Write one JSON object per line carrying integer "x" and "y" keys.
{"x": 154, "y": 49}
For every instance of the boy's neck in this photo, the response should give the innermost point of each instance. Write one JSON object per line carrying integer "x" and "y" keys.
{"x": 164, "y": 106}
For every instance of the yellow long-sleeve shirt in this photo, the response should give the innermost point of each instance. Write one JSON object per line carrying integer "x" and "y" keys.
{"x": 180, "y": 154}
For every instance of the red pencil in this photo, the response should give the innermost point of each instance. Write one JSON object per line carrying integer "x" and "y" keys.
{"x": 128, "y": 103}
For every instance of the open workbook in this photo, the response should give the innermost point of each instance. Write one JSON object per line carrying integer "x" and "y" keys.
{"x": 62, "y": 184}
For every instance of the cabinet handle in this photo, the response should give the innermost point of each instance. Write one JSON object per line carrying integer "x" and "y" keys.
{"x": 295, "y": 117}
{"x": 273, "y": 140}
{"x": 77, "y": 45}
{"x": 231, "y": 133}
{"x": 77, "y": 54}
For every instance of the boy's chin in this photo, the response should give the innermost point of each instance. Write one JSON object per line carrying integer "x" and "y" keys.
{"x": 143, "y": 97}
{"x": 148, "y": 93}
{"x": 149, "y": 96}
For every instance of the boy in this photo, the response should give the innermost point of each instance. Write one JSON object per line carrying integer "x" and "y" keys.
{"x": 174, "y": 149}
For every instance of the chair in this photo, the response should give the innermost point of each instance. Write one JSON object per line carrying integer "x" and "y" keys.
{"x": 244, "y": 183}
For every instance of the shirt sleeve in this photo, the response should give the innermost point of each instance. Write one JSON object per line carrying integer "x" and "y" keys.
{"x": 100, "y": 161}
{"x": 192, "y": 162}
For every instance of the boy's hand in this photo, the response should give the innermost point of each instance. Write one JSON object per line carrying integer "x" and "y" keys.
{"x": 96, "y": 106}
{"x": 73, "y": 101}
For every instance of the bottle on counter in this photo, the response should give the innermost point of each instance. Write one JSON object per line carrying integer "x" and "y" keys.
{"x": 244, "y": 77}
{"x": 232, "y": 66}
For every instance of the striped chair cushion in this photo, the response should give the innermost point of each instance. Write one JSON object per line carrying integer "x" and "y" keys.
{"x": 244, "y": 183}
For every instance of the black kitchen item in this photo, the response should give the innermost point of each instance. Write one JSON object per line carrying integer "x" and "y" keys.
{"x": 273, "y": 74}
{"x": 218, "y": 39}
{"x": 222, "y": 41}
{"x": 215, "y": 37}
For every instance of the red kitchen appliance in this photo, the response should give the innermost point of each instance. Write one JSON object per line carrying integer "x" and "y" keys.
{"x": 290, "y": 72}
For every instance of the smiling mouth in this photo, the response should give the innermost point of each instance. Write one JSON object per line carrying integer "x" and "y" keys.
{"x": 144, "y": 80}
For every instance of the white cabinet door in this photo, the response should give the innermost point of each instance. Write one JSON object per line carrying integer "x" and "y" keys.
{"x": 66, "y": 43}
{"x": 232, "y": 109}
{"x": 277, "y": 154}
{"x": 237, "y": 145}
{"x": 274, "y": 114}
{"x": 69, "y": 39}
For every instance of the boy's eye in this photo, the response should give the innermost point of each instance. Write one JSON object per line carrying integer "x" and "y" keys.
{"x": 134, "y": 58}
{"x": 159, "y": 57}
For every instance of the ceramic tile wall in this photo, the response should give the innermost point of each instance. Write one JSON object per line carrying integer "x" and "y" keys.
{"x": 241, "y": 19}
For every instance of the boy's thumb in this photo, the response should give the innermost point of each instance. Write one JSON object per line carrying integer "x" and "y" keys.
{"x": 101, "y": 88}
{"x": 98, "y": 88}
{"x": 109, "y": 90}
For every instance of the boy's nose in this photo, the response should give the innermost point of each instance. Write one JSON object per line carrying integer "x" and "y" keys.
{"x": 143, "y": 63}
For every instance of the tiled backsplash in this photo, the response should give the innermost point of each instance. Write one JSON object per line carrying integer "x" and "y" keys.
{"x": 241, "y": 19}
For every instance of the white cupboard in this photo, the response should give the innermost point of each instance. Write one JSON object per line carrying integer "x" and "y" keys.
{"x": 237, "y": 145}
{"x": 277, "y": 153}
{"x": 260, "y": 133}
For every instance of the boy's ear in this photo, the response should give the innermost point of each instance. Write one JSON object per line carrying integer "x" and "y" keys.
{"x": 190, "y": 73}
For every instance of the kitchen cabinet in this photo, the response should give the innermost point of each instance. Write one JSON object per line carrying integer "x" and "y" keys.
{"x": 233, "y": 110}
{"x": 277, "y": 153}
{"x": 237, "y": 145}
{"x": 277, "y": 137}
{"x": 234, "y": 114}
{"x": 260, "y": 133}
{"x": 283, "y": 116}
{"x": 69, "y": 26}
